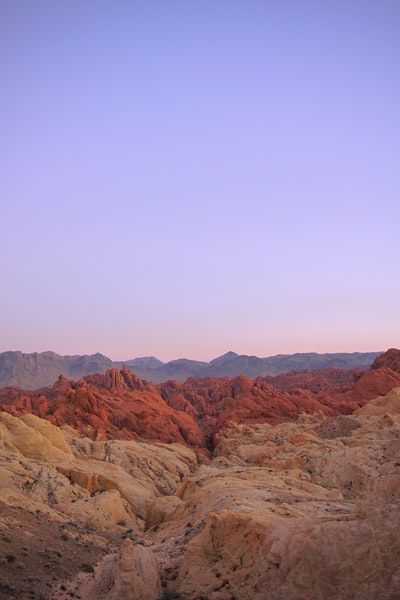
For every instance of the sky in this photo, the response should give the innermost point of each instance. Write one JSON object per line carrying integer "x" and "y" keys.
{"x": 184, "y": 178}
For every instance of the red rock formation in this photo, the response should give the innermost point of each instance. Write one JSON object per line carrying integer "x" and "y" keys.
{"x": 115, "y": 405}
{"x": 390, "y": 359}
{"x": 220, "y": 401}
{"x": 373, "y": 383}
{"x": 276, "y": 399}
{"x": 118, "y": 405}
{"x": 314, "y": 381}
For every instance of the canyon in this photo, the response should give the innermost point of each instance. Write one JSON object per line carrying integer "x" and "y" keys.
{"x": 278, "y": 487}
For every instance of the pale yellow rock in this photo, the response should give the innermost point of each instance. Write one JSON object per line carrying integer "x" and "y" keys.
{"x": 99, "y": 476}
{"x": 41, "y": 464}
{"x": 33, "y": 439}
{"x": 159, "y": 510}
{"x": 103, "y": 511}
{"x": 272, "y": 557}
{"x": 51, "y": 432}
{"x": 130, "y": 575}
{"x": 383, "y": 404}
{"x": 160, "y": 465}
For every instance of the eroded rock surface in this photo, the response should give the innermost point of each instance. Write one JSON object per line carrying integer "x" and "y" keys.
{"x": 66, "y": 501}
{"x": 303, "y": 509}
{"x": 131, "y": 574}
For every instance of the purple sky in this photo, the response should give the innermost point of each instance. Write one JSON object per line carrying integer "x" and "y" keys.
{"x": 184, "y": 178}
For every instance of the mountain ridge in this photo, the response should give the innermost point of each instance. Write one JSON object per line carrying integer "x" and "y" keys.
{"x": 40, "y": 369}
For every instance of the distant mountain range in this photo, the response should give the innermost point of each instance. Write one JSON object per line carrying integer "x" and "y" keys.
{"x": 40, "y": 369}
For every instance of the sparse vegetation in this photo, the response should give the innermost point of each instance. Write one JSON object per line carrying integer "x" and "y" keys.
{"x": 87, "y": 568}
{"x": 10, "y": 558}
{"x": 171, "y": 595}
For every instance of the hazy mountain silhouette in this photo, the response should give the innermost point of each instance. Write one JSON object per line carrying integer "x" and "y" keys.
{"x": 38, "y": 369}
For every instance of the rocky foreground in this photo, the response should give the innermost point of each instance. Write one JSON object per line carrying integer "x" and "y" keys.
{"x": 306, "y": 509}
{"x": 288, "y": 499}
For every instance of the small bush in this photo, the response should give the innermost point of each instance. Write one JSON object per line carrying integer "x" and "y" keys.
{"x": 10, "y": 558}
{"x": 171, "y": 595}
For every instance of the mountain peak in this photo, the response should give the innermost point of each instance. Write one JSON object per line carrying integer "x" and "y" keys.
{"x": 227, "y": 356}
{"x": 150, "y": 362}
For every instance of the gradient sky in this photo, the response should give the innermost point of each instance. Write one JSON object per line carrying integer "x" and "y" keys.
{"x": 183, "y": 178}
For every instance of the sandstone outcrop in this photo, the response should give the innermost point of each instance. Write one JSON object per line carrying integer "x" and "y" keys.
{"x": 390, "y": 359}
{"x": 33, "y": 437}
{"x": 131, "y": 574}
{"x": 383, "y": 405}
{"x": 303, "y": 509}
{"x": 96, "y": 483}
{"x": 118, "y": 405}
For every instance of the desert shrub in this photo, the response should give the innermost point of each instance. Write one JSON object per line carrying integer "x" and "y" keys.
{"x": 10, "y": 558}
{"x": 171, "y": 595}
